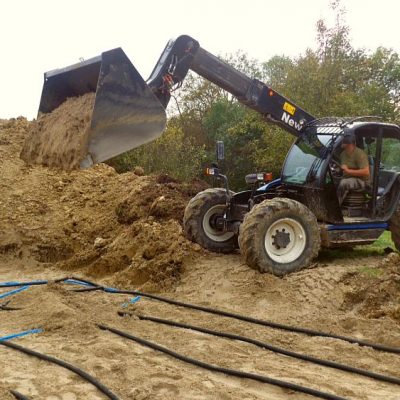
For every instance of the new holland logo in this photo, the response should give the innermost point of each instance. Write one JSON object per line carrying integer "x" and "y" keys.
{"x": 290, "y": 121}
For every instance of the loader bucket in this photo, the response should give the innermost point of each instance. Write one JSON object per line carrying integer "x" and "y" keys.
{"x": 126, "y": 113}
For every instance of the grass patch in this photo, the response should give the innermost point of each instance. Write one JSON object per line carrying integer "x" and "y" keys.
{"x": 384, "y": 241}
{"x": 370, "y": 272}
{"x": 375, "y": 249}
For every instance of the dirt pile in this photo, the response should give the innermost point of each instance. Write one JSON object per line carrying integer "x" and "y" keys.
{"x": 59, "y": 139}
{"x": 125, "y": 228}
{"x": 375, "y": 292}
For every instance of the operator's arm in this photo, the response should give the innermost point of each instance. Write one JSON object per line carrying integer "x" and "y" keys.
{"x": 360, "y": 161}
{"x": 356, "y": 172}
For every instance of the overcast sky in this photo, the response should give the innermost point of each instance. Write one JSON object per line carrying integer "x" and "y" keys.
{"x": 41, "y": 35}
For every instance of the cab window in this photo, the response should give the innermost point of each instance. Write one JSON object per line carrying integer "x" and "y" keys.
{"x": 303, "y": 157}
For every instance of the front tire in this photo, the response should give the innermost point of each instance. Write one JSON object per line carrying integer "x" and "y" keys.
{"x": 279, "y": 236}
{"x": 199, "y": 217}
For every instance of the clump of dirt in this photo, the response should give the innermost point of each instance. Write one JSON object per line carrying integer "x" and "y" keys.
{"x": 375, "y": 292}
{"x": 150, "y": 255}
{"x": 163, "y": 198}
{"x": 60, "y": 138}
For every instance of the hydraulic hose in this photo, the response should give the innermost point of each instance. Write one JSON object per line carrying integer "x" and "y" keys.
{"x": 232, "y": 372}
{"x": 64, "y": 364}
{"x": 280, "y": 350}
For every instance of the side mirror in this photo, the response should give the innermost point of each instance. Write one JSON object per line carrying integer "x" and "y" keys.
{"x": 220, "y": 150}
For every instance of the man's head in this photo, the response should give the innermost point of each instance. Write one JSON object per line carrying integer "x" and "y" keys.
{"x": 349, "y": 142}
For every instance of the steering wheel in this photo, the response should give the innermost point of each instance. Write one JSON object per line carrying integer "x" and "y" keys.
{"x": 336, "y": 169}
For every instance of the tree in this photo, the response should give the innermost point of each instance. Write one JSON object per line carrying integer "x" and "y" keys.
{"x": 334, "y": 79}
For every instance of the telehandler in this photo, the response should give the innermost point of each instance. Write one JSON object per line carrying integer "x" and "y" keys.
{"x": 279, "y": 225}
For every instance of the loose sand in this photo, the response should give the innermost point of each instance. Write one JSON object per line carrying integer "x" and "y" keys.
{"x": 60, "y": 138}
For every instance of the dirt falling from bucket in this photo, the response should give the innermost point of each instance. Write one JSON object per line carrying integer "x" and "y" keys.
{"x": 59, "y": 139}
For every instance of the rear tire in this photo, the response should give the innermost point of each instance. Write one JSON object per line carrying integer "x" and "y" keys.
{"x": 197, "y": 221}
{"x": 395, "y": 228}
{"x": 279, "y": 236}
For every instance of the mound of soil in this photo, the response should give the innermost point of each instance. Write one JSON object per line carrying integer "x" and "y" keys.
{"x": 123, "y": 228}
{"x": 375, "y": 292}
{"x": 60, "y": 138}
{"x": 163, "y": 199}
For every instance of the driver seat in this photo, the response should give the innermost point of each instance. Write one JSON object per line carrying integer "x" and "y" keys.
{"x": 358, "y": 197}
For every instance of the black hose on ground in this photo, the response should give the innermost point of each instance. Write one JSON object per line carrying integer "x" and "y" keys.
{"x": 64, "y": 364}
{"x": 46, "y": 282}
{"x": 95, "y": 286}
{"x": 91, "y": 289}
{"x": 18, "y": 395}
{"x": 84, "y": 281}
{"x": 227, "y": 371}
{"x": 33, "y": 283}
{"x": 269, "y": 324}
{"x": 304, "y": 357}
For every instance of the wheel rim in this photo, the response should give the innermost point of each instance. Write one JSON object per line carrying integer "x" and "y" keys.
{"x": 285, "y": 240}
{"x": 211, "y": 232}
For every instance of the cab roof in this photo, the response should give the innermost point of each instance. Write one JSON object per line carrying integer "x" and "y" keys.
{"x": 365, "y": 126}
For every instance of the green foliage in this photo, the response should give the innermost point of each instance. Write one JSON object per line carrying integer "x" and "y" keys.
{"x": 336, "y": 79}
{"x": 332, "y": 79}
{"x": 172, "y": 154}
{"x": 252, "y": 145}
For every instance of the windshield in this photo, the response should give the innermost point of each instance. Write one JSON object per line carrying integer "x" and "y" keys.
{"x": 303, "y": 156}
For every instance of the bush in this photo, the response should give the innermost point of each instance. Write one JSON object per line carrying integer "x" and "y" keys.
{"x": 172, "y": 154}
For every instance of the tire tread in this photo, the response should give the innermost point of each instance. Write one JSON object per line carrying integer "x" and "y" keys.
{"x": 193, "y": 216}
{"x": 250, "y": 242}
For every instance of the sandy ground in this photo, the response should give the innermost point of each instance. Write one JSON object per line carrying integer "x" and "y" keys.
{"x": 124, "y": 231}
{"x": 309, "y": 299}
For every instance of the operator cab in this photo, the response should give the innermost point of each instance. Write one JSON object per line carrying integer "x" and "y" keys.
{"x": 381, "y": 143}
{"x": 313, "y": 164}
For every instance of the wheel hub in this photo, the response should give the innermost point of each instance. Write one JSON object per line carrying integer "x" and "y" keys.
{"x": 213, "y": 224}
{"x": 281, "y": 239}
{"x": 217, "y": 222}
{"x": 285, "y": 240}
